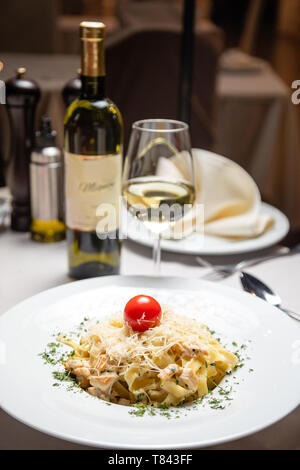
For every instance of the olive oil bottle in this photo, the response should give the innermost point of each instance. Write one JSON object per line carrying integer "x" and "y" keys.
{"x": 93, "y": 165}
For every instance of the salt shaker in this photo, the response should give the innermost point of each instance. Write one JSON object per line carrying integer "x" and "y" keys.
{"x": 46, "y": 186}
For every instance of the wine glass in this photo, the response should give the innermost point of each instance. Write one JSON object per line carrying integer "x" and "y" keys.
{"x": 158, "y": 178}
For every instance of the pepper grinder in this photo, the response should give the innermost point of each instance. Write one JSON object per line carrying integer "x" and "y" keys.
{"x": 46, "y": 186}
{"x": 72, "y": 89}
{"x": 3, "y": 132}
{"x": 22, "y": 96}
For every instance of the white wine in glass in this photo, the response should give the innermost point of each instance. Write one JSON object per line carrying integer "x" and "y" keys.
{"x": 155, "y": 191}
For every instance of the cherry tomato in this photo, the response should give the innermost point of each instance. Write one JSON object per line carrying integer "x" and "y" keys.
{"x": 142, "y": 312}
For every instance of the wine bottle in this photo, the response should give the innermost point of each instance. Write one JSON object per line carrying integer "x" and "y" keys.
{"x": 93, "y": 165}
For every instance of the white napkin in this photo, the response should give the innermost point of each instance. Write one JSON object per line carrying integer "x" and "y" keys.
{"x": 230, "y": 197}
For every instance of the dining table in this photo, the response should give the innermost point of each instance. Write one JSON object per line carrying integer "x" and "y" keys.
{"x": 28, "y": 267}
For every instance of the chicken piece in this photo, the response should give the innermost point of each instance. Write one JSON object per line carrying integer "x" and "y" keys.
{"x": 95, "y": 392}
{"x": 92, "y": 391}
{"x": 82, "y": 376}
{"x": 185, "y": 377}
{"x": 169, "y": 372}
{"x": 188, "y": 379}
{"x": 123, "y": 401}
{"x": 104, "y": 382}
{"x": 72, "y": 364}
{"x": 190, "y": 350}
{"x": 81, "y": 371}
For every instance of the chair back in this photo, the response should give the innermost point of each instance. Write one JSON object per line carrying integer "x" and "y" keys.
{"x": 143, "y": 76}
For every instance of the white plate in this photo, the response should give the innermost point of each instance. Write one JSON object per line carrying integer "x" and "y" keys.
{"x": 262, "y": 397}
{"x": 198, "y": 244}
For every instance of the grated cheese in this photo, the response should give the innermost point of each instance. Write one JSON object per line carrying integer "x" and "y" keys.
{"x": 124, "y": 347}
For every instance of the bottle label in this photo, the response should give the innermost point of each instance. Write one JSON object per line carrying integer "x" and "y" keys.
{"x": 93, "y": 188}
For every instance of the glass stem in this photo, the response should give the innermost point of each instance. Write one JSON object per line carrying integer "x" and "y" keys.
{"x": 157, "y": 254}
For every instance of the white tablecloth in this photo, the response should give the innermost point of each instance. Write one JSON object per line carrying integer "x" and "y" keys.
{"x": 27, "y": 268}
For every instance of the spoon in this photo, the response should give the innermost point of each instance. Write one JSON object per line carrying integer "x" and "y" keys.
{"x": 256, "y": 287}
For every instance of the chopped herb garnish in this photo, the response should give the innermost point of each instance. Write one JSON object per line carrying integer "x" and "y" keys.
{"x": 56, "y": 354}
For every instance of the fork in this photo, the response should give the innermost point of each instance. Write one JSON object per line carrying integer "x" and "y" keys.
{"x": 221, "y": 272}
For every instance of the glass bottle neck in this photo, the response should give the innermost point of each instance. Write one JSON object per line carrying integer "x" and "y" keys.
{"x": 92, "y": 88}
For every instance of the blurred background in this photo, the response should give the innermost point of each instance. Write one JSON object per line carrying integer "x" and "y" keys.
{"x": 246, "y": 56}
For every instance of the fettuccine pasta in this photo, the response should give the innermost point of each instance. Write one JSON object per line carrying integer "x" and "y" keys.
{"x": 176, "y": 362}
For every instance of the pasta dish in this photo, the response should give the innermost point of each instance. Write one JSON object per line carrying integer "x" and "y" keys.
{"x": 156, "y": 358}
